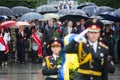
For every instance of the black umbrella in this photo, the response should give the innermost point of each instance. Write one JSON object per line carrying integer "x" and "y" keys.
{"x": 90, "y": 10}
{"x": 46, "y": 9}
{"x": 86, "y": 4}
{"x": 110, "y": 16}
{"x": 103, "y": 9}
{"x": 20, "y": 10}
{"x": 105, "y": 22}
{"x": 97, "y": 17}
{"x": 117, "y": 12}
{"x": 75, "y": 15}
{"x": 63, "y": 12}
{"x": 5, "y": 11}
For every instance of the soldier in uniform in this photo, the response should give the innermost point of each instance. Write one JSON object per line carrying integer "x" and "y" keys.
{"x": 50, "y": 65}
{"x": 92, "y": 54}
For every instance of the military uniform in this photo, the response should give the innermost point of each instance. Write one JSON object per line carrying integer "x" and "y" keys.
{"x": 50, "y": 64}
{"x": 50, "y": 69}
{"x": 98, "y": 64}
{"x": 93, "y": 63}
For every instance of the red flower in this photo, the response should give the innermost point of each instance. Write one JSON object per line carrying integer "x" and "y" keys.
{"x": 59, "y": 31}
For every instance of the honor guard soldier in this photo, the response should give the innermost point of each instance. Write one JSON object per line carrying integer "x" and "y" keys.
{"x": 92, "y": 54}
{"x": 50, "y": 65}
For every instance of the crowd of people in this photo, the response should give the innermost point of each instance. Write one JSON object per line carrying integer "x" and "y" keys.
{"x": 22, "y": 41}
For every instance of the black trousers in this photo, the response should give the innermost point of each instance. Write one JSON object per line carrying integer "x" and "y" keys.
{"x": 86, "y": 77}
{"x": 21, "y": 52}
{"x": 34, "y": 55}
{"x": 2, "y": 56}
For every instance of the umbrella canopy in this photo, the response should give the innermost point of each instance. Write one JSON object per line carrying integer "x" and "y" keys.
{"x": 117, "y": 12}
{"x": 86, "y": 4}
{"x": 21, "y": 23}
{"x": 20, "y": 10}
{"x": 1, "y": 18}
{"x": 5, "y": 11}
{"x": 105, "y": 22}
{"x": 8, "y": 24}
{"x": 102, "y": 9}
{"x": 77, "y": 12}
{"x": 51, "y": 16}
{"x": 63, "y": 12}
{"x": 90, "y": 10}
{"x": 31, "y": 16}
{"x": 97, "y": 17}
{"x": 46, "y": 9}
{"x": 110, "y": 16}
{"x": 74, "y": 15}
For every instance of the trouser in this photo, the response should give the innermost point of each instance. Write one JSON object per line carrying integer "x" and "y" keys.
{"x": 86, "y": 77}
{"x": 21, "y": 53}
{"x": 2, "y": 56}
{"x": 34, "y": 56}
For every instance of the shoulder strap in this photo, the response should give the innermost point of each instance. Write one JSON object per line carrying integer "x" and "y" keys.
{"x": 48, "y": 63}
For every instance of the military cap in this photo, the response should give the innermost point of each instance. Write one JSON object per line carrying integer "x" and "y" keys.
{"x": 94, "y": 25}
{"x": 55, "y": 42}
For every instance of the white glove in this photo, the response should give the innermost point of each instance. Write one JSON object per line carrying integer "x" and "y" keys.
{"x": 81, "y": 35}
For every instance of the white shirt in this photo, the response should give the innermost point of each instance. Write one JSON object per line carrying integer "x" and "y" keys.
{"x": 55, "y": 56}
{"x": 69, "y": 30}
{"x": 6, "y": 39}
{"x": 95, "y": 44}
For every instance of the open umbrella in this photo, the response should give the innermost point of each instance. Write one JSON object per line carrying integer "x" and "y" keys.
{"x": 1, "y": 18}
{"x": 97, "y": 17}
{"x": 20, "y": 10}
{"x": 110, "y": 16}
{"x": 77, "y": 12}
{"x": 90, "y": 10}
{"x": 63, "y": 12}
{"x": 5, "y": 11}
{"x": 102, "y": 9}
{"x": 8, "y": 24}
{"x": 22, "y": 23}
{"x": 46, "y": 9}
{"x": 86, "y": 4}
{"x": 48, "y": 16}
{"x": 74, "y": 15}
{"x": 31, "y": 16}
{"x": 117, "y": 12}
{"x": 107, "y": 22}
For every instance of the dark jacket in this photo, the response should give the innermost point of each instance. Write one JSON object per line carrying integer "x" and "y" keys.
{"x": 48, "y": 33}
{"x": 50, "y": 71}
{"x": 72, "y": 47}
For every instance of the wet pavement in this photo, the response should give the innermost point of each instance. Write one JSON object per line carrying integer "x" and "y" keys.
{"x": 21, "y": 72}
{"x": 32, "y": 71}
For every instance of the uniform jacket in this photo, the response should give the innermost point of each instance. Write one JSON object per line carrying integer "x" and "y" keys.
{"x": 102, "y": 52}
{"x": 50, "y": 71}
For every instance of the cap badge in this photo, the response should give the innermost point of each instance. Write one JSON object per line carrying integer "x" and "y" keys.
{"x": 55, "y": 38}
{"x": 94, "y": 26}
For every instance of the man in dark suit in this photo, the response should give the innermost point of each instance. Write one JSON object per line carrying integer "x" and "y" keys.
{"x": 92, "y": 54}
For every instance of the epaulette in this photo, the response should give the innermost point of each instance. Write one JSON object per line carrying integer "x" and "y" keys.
{"x": 103, "y": 45}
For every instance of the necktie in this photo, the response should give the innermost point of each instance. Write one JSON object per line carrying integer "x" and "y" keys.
{"x": 92, "y": 47}
{"x": 82, "y": 28}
